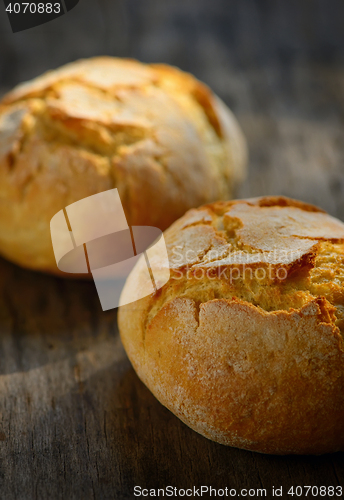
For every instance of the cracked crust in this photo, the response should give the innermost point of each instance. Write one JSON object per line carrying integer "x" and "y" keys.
{"x": 156, "y": 133}
{"x": 248, "y": 359}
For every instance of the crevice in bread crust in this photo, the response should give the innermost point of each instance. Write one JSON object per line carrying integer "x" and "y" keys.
{"x": 193, "y": 89}
{"x": 326, "y": 313}
{"x": 317, "y": 276}
{"x": 283, "y": 201}
{"x": 55, "y": 134}
{"x": 198, "y": 91}
{"x": 52, "y": 137}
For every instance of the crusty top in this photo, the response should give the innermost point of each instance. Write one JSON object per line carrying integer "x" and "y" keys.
{"x": 154, "y": 132}
{"x": 273, "y": 252}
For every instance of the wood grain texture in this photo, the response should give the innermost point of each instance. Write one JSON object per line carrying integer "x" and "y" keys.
{"x": 75, "y": 421}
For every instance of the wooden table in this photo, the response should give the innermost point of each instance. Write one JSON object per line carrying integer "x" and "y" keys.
{"x": 75, "y": 421}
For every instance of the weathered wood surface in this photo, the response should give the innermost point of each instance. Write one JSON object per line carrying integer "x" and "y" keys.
{"x": 75, "y": 421}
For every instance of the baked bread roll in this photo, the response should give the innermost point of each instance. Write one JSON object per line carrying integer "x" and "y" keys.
{"x": 154, "y": 132}
{"x": 244, "y": 343}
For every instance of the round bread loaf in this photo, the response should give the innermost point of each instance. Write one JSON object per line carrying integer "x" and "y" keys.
{"x": 154, "y": 132}
{"x": 244, "y": 343}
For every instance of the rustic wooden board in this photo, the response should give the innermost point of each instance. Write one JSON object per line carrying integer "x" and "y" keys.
{"x": 75, "y": 421}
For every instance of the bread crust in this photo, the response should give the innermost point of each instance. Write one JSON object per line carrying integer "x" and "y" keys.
{"x": 154, "y": 132}
{"x": 254, "y": 362}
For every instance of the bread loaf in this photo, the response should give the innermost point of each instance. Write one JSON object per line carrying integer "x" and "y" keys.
{"x": 154, "y": 132}
{"x": 245, "y": 342}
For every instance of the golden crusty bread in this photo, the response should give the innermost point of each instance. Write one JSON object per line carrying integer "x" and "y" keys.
{"x": 154, "y": 132}
{"x": 244, "y": 343}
